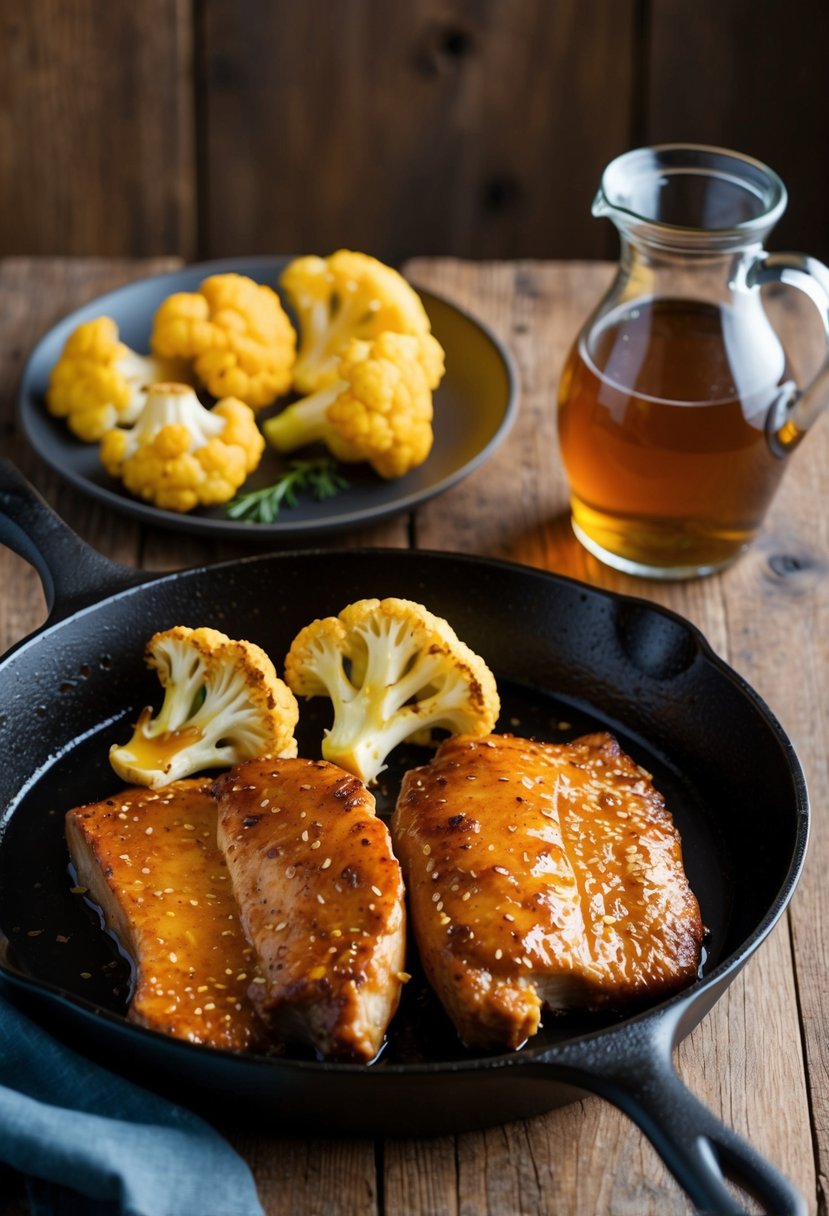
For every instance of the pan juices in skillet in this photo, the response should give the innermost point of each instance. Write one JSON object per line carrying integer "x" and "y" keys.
{"x": 542, "y": 875}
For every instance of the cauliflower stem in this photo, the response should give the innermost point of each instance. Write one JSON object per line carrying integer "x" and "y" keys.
{"x": 223, "y": 703}
{"x": 393, "y": 672}
{"x": 379, "y": 410}
{"x": 345, "y": 296}
{"x": 180, "y": 455}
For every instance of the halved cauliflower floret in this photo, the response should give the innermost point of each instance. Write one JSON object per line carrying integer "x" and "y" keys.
{"x": 99, "y": 382}
{"x": 346, "y": 295}
{"x": 237, "y": 334}
{"x": 223, "y": 703}
{"x": 379, "y": 409}
{"x": 180, "y": 455}
{"x": 394, "y": 672}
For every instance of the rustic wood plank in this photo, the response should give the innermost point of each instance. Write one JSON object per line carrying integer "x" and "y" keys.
{"x": 516, "y": 507}
{"x": 299, "y": 1177}
{"x": 743, "y": 49}
{"x": 97, "y": 155}
{"x": 400, "y": 128}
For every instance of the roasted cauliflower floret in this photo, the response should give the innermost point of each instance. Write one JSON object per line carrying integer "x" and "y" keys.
{"x": 223, "y": 703}
{"x": 237, "y": 334}
{"x": 180, "y": 455}
{"x": 378, "y": 410}
{"x": 99, "y": 382}
{"x": 344, "y": 296}
{"x": 394, "y": 672}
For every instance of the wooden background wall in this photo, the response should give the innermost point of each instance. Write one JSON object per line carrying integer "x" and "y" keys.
{"x": 471, "y": 127}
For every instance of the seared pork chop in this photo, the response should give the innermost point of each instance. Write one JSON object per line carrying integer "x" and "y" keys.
{"x": 542, "y": 874}
{"x": 321, "y": 899}
{"x": 149, "y": 859}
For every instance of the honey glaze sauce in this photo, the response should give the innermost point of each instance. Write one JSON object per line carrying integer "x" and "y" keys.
{"x": 662, "y": 425}
{"x": 150, "y": 860}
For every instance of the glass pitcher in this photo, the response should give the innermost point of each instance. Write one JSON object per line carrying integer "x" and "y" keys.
{"x": 677, "y": 405}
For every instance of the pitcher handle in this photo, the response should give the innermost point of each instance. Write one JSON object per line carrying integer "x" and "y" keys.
{"x": 796, "y": 409}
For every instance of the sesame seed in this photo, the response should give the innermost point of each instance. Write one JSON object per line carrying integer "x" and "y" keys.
{"x": 499, "y": 953}
{"x": 305, "y": 835}
{"x": 320, "y": 899}
{"x": 290, "y": 871}
{"x": 315, "y": 844}
{"x": 376, "y": 890}
{"x": 326, "y": 864}
{"x": 148, "y": 831}
{"x": 282, "y": 924}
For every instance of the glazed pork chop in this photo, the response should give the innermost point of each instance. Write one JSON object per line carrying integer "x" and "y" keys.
{"x": 149, "y": 859}
{"x": 321, "y": 899}
{"x": 542, "y": 875}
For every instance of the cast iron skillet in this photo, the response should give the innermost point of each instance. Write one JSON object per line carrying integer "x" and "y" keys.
{"x": 568, "y": 658}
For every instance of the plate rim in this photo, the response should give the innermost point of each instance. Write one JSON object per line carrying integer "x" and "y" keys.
{"x": 218, "y": 529}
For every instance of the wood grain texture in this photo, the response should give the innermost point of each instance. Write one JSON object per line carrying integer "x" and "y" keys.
{"x": 441, "y": 126}
{"x": 715, "y": 74}
{"x": 96, "y": 128}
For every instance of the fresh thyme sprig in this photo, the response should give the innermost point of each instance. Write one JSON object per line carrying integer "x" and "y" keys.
{"x": 319, "y": 477}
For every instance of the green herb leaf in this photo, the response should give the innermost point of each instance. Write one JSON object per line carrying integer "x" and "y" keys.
{"x": 319, "y": 477}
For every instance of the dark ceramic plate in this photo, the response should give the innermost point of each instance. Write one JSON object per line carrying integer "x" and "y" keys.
{"x": 475, "y": 406}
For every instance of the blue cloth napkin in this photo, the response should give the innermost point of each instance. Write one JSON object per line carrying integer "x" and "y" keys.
{"x": 92, "y": 1143}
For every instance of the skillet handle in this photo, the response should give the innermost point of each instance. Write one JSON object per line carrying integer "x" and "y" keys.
{"x": 73, "y": 574}
{"x": 632, "y": 1067}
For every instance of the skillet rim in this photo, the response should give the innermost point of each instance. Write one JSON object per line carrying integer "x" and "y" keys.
{"x": 680, "y": 1002}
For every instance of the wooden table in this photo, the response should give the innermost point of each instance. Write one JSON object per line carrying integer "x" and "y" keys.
{"x": 760, "y": 1060}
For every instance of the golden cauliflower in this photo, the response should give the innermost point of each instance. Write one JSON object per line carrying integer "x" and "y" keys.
{"x": 223, "y": 703}
{"x": 378, "y": 410}
{"x": 394, "y": 672}
{"x": 237, "y": 334}
{"x": 344, "y": 296}
{"x": 99, "y": 382}
{"x": 180, "y": 455}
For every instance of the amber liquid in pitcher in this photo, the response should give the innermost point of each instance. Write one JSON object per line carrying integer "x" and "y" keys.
{"x": 662, "y": 431}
